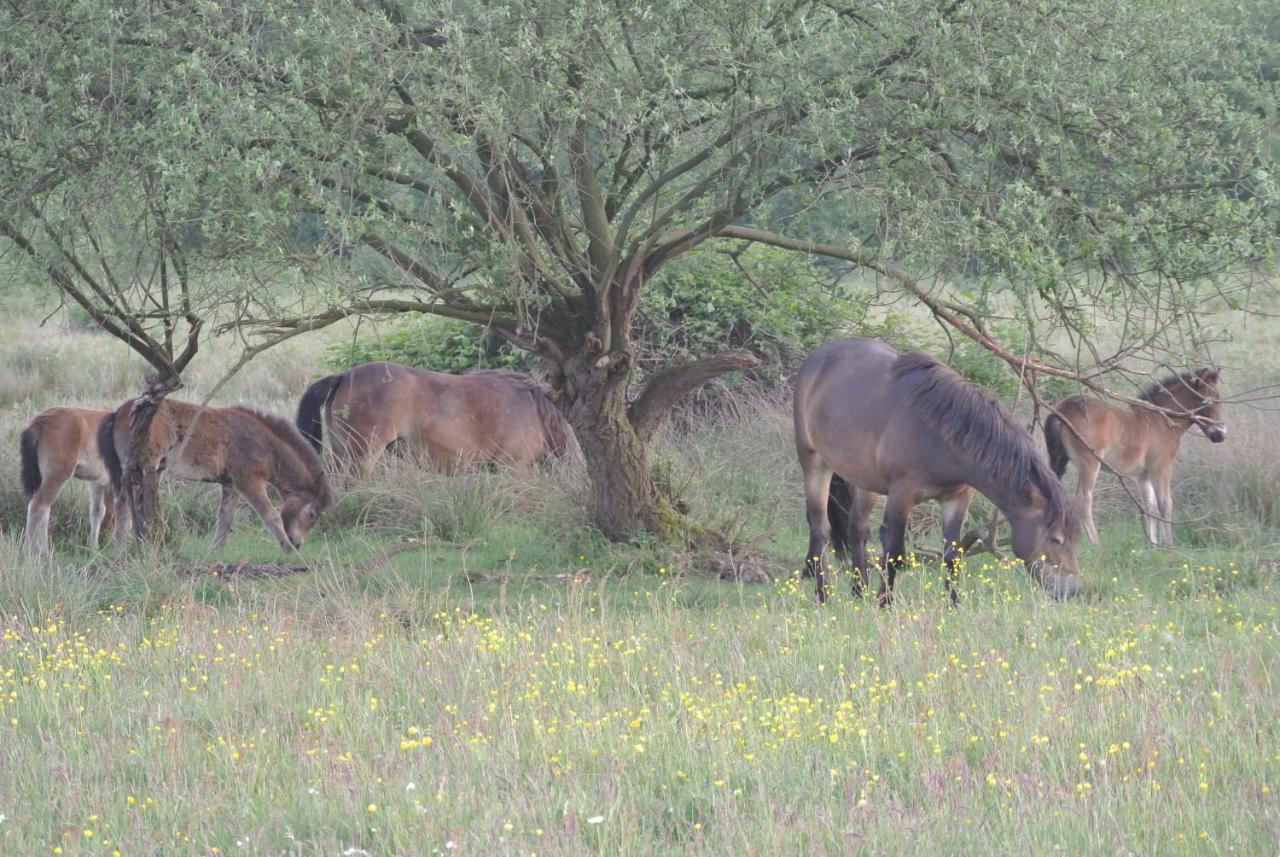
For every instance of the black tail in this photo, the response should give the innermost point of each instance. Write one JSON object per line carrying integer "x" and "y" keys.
{"x": 107, "y": 449}
{"x": 310, "y": 419}
{"x": 1058, "y": 456}
{"x": 839, "y": 500}
{"x": 29, "y": 447}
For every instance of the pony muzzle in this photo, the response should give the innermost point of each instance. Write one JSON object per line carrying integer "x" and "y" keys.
{"x": 1216, "y": 433}
{"x": 1058, "y": 582}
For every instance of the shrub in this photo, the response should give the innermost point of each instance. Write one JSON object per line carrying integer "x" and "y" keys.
{"x": 431, "y": 342}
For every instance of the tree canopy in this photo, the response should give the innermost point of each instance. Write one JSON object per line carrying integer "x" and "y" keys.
{"x": 530, "y": 164}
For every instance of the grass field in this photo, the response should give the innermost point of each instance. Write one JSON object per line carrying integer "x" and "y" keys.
{"x": 519, "y": 686}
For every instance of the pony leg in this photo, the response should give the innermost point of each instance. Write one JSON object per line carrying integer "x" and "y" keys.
{"x": 255, "y": 493}
{"x": 1164, "y": 502}
{"x": 1086, "y": 478}
{"x": 893, "y": 538}
{"x": 36, "y": 534}
{"x": 123, "y": 517}
{"x": 1150, "y": 509}
{"x": 226, "y": 515}
{"x": 860, "y": 506}
{"x": 99, "y": 503}
{"x": 954, "y": 510}
{"x": 358, "y": 452}
{"x": 817, "y": 489}
{"x": 108, "y": 524}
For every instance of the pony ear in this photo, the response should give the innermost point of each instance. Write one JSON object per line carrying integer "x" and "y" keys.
{"x": 1209, "y": 376}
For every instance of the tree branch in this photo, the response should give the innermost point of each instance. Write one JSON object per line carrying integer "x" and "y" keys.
{"x": 667, "y": 387}
{"x": 1024, "y": 365}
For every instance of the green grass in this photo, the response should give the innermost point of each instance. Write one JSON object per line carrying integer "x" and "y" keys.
{"x": 287, "y": 715}
{"x": 584, "y": 698}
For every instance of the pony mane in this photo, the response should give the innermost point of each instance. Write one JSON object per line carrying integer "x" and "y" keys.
{"x": 516, "y": 379}
{"x": 967, "y": 418}
{"x": 555, "y": 428}
{"x": 1167, "y": 387}
{"x": 288, "y": 433}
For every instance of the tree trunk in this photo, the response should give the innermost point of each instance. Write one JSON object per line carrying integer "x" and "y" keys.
{"x": 141, "y": 481}
{"x": 615, "y": 437}
{"x": 624, "y": 500}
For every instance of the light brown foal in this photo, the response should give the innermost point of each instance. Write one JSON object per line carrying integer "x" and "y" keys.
{"x": 1135, "y": 441}
{"x": 56, "y": 445}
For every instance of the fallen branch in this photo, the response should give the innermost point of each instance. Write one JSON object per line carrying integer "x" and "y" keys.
{"x": 247, "y": 570}
{"x": 578, "y": 577}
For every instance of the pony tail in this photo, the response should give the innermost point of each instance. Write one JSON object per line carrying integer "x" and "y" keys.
{"x": 310, "y": 418}
{"x": 1057, "y": 450}
{"x": 107, "y": 449}
{"x": 839, "y": 499}
{"x": 29, "y": 447}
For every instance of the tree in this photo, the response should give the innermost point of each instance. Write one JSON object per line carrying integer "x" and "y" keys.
{"x": 530, "y": 164}
{"x": 105, "y": 176}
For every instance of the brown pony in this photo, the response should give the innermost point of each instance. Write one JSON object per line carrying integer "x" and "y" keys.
{"x": 1135, "y": 441}
{"x": 870, "y": 420}
{"x": 57, "y": 444}
{"x": 241, "y": 449}
{"x": 483, "y": 417}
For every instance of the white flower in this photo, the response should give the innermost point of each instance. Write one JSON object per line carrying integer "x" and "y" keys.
{"x": 595, "y": 819}
{"x": 451, "y": 845}
{"x": 409, "y": 786}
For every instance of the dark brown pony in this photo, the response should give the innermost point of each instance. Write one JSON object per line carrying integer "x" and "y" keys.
{"x": 870, "y": 420}
{"x": 242, "y": 449}
{"x": 483, "y": 417}
{"x": 57, "y": 444}
{"x": 1135, "y": 441}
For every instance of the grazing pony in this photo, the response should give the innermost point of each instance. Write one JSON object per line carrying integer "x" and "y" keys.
{"x": 242, "y": 449}
{"x": 870, "y": 420}
{"x": 1135, "y": 441}
{"x": 490, "y": 417}
{"x": 57, "y": 444}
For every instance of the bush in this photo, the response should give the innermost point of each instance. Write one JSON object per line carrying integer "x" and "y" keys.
{"x": 777, "y": 304}
{"x": 431, "y": 342}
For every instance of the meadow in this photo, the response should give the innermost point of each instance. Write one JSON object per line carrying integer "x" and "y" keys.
{"x": 517, "y": 685}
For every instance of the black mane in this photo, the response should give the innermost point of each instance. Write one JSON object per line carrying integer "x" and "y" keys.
{"x": 970, "y": 420}
{"x": 1168, "y": 386}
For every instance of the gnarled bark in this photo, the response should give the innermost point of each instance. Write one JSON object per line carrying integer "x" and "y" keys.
{"x": 141, "y": 481}
{"x": 624, "y": 500}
